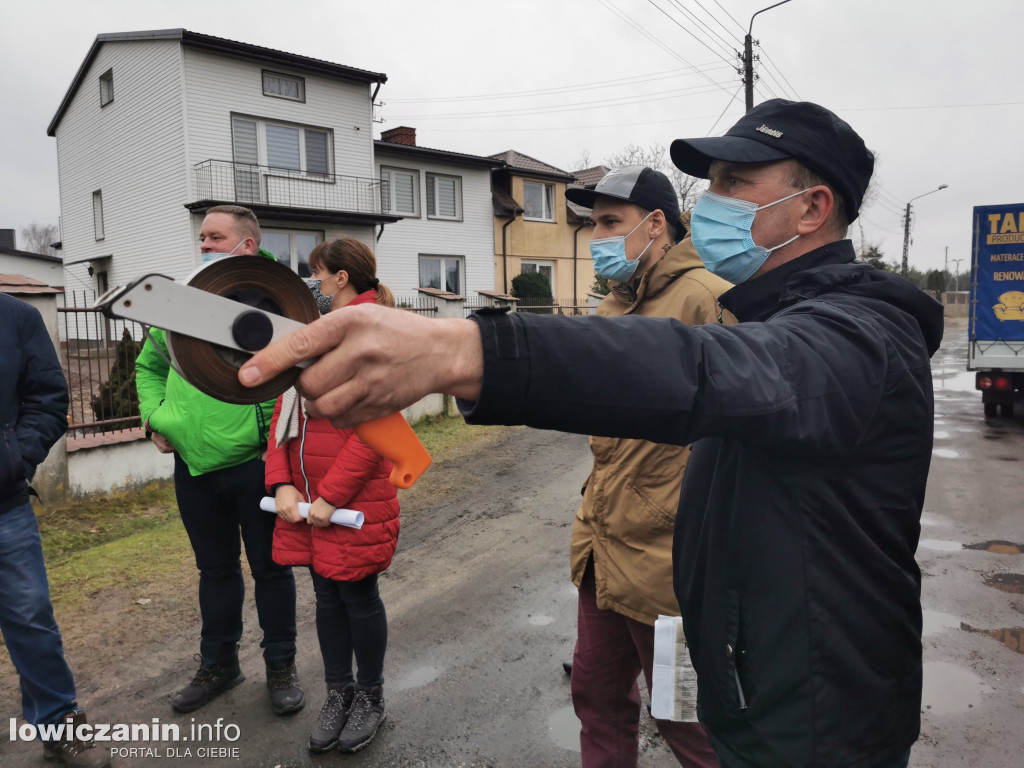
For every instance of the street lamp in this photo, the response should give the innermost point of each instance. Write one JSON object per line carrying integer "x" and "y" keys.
{"x": 748, "y": 58}
{"x": 906, "y": 226}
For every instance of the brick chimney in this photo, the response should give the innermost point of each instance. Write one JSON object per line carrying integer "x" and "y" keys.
{"x": 400, "y": 135}
{"x": 8, "y": 239}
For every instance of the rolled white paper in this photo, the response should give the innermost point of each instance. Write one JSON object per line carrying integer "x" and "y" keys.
{"x": 350, "y": 518}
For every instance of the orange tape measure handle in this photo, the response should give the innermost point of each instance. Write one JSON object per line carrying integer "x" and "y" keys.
{"x": 393, "y": 438}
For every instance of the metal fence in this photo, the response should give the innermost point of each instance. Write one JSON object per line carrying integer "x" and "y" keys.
{"x": 245, "y": 183}
{"x": 539, "y": 306}
{"x": 420, "y": 304}
{"x": 92, "y": 347}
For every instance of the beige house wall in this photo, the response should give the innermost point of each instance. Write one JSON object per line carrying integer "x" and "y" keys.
{"x": 545, "y": 241}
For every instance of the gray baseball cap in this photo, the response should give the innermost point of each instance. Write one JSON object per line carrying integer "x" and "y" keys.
{"x": 637, "y": 184}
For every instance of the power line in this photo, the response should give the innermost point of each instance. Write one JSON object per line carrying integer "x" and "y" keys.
{"x": 727, "y": 105}
{"x": 742, "y": 28}
{"x": 691, "y": 16}
{"x": 676, "y": 22}
{"x": 625, "y": 17}
{"x": 632, "y": 80}
{"x": 525, "y": 111}
{"x": 776, "y": 67}
{"x": 715, "y": 18}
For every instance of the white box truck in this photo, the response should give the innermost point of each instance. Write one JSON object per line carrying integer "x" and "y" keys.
{"x": 996, "y": 332}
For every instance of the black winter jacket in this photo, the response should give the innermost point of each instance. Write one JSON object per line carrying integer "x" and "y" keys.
{"x": 33, "y": 398}
{"x": 799, "y": 515}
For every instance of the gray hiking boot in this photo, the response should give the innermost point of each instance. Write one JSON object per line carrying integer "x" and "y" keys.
{"x": 332, "y": 719}
{"x": 364, "y": 718}
{"x": 209, "y": 683}
{"x": 283, "y": 683}
{"x": 72, "y": 751}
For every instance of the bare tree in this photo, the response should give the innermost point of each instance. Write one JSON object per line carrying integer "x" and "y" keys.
{"x": 36, "y": 238}
{"x": 582, "y": 161}
{"x": 688, "y": 188}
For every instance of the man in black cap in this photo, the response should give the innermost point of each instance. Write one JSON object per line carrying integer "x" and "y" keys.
{"x": 621, "y": 551}
{"x": 799, "y": 514}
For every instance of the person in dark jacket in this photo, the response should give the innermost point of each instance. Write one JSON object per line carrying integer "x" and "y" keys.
{"x": 812, "y": 419}
{"x": 34, "y": 414}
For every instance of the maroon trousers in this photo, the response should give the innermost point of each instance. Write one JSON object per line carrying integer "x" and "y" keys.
{"x": 611, "y": 651}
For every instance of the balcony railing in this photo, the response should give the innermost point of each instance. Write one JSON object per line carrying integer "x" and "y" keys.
{"x": 259, "y": 184}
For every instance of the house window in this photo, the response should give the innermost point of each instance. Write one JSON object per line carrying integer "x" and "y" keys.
{"x": 106, "y": 87}
{"x": 281, "y": 146}
{"x": 444, "y": 196}
{"x": 538, "y": 201}
{"x": 546, "y": 268}
{"x": 400, "y": 193}
{"x": 441, "y": 272}
{"x": 292, "y": 247}
{"x": 97, "y": 214}
{"x": 284, "y": 86}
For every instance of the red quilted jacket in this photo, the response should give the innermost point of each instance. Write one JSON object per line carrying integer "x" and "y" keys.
{"x": 334, "y": 464}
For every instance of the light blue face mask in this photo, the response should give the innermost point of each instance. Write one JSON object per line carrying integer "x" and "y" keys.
{"x": 208, "y": 257}
{"x": 720, "y": 228}
{"x": 609, "y": 254}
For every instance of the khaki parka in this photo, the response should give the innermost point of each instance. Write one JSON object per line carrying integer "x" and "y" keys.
{"x": 629, "y": 501}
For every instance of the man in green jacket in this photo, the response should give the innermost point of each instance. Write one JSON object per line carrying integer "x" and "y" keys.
{"x": 621, "y": 552}
{"x": 218, "y": 480}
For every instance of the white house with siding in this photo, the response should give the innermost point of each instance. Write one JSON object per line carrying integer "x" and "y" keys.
{"x": 444, "y": 240}
{"x": 157, "y": 127}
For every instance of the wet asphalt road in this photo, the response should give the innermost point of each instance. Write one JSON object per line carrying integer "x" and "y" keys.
{"x": 482, "y": 614}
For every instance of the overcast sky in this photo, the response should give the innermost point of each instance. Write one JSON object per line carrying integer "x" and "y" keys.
{"x": 934, "y": 87}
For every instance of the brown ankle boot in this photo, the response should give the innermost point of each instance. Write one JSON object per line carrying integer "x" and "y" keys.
{"x": 71, "y": 750}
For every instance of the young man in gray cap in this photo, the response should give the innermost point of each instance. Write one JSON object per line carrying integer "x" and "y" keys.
{"x": 621, "y": 552}
{"x": 799, "y": 514}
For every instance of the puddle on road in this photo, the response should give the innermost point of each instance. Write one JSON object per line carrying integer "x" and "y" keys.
{"x": 564, "y": 729}
{"x": 934, "y": 622}
{"x": 946, "y": 453}
{"x": 1008, "y": 582}
{"x": 942, "y": 435}
{"x": 415, "y": 678}
{"x": 930, "y": 520}
{"x": 540, "y": 621}
{"x": 998, "y": 546}
{"x": 1011, "y": 637}
{"x": 962, "y": 381}
{"x": 940, "y": 545}
{"x": 949, "y": 689}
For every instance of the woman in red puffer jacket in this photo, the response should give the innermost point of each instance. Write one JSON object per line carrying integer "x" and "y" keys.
{"x": 311, "y": 461}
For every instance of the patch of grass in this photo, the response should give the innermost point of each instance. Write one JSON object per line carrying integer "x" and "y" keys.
{"x": 128, "y": 539}
{"x": 81, "y": 524}
{"x": 155, "y": 556}
{"x": 441, "y": 434}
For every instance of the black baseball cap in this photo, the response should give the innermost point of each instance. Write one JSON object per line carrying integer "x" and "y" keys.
{"x": 779, "y": 129}
{"x": 637, "y": 184}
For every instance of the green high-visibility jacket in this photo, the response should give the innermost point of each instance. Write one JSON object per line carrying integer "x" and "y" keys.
{"x": 208, "y": 434}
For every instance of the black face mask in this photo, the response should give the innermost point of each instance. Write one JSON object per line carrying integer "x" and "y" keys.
{"x": 323, "y": 303}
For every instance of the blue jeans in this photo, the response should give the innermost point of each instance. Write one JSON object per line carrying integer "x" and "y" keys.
{"x": 26, "y": 620}
{"x": 350, "y": 618}
{"x": 214, "y": 508}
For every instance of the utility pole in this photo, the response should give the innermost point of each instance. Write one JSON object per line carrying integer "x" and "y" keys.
{"x": 748, "y": 59}
{"x": 906, "y": 227}
{"x": 957, "y": 262}
{"x": 945, "y": 271}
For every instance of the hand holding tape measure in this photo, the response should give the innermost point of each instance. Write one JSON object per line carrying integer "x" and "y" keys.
{"x": 231, "y": 308}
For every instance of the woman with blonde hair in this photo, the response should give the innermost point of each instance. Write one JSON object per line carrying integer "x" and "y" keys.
{"x": 309, "y": 460}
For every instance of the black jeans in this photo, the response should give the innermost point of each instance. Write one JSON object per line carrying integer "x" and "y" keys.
{"x": 350, "y": 618}
{"x": 213, "y": 508}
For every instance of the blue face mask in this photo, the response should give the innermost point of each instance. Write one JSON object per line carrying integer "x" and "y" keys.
{"x": 720, "y": 228}
{"x": 609, "y": 254}
{"x": 208, "y": 257}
